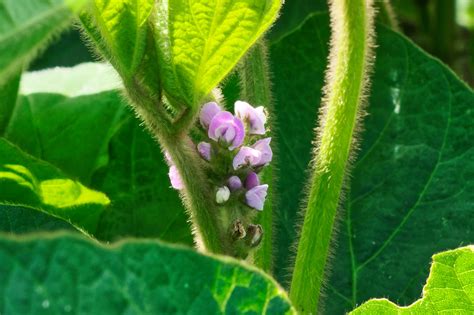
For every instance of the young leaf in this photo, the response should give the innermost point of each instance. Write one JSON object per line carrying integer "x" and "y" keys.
{"x": 412, "y": 189}
{"x": 29, "y": 182}
{"x": 21, "y": 220}
{"x": 201, "y": 41}
{"x": 119, "y": 29}
{"x": 26, "y": 27}
{"x": 139, "y": 277}
{"x": 449, "y": 289}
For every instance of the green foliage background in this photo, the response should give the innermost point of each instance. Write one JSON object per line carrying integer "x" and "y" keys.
{"x": 411, "y": 188}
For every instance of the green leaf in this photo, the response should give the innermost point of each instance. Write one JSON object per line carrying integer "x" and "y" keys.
{"x": 61, "y": 109}
{"x": 134, "y": 277}
{"x": 26, "y": 181}
{"x": 21, "y": 220}
{"x": 136, "y": 179}
{"x": 201, "y": 41}
{"x": 449, "y": 289}
{"x": 293, "y": 14}
{"x": 66, "y": 108}
{"x": 119, "y": 29}
{"x": 25, "y": 28}
{"x": 412, "y": 186}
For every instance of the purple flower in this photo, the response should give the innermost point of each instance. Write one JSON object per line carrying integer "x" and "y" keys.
{"x": 254, "y": 116}
{"x": 204, "y": 150}
{"x": 264, "y": 147}
{"x": 252, "y": 180}
{"x": 168, "y": 158}
{"x": 234, "y": 183}
{"x": 255, "y": 197}
{"x": 175, "y": 178}
{"x": 227, "y": 128}
{"x": 208, "y": 111}
{"x": 259, "y": 154}
{"x": 246, "y": 156}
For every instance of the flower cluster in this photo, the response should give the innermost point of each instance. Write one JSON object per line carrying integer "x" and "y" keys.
{"x": 236, "y": 149}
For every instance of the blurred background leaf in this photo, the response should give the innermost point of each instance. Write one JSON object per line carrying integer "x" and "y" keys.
{"x": 76, "y": 119}
{"x": 27, "y": 27}
{"x": 29, "y": 182}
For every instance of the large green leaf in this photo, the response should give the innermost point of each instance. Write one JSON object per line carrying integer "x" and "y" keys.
{"x": 81, "y": 125}
{"x": 20, "y": 220}
{"x": 27, "y": 26}
{"x": 26, "y": 181}
{"x": 293, "y": 14}
{"x": 411, "y": 191}
{"x": 201, "y": 41}
{"x": 41, "y": 275}
{"x": 449, "y": 289}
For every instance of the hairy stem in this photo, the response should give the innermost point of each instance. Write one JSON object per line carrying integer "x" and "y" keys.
{"x": 346, "y": 78}
{"x": 256, "y": 88}
{"x": 197, "y": 193}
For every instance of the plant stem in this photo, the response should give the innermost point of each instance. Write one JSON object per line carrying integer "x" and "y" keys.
{"x": 256, "y": 88}
{"x": 346, "y": 78}
{"x": 443, "y": 32}
{"x": 198, "y": 196}
{"x": 386, "y": 15}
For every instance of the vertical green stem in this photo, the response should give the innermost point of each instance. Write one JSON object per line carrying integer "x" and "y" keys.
{"x": 197, "y": 194}
{"x": 199, "y": 197}
{"x": 443, "y": 32}
{"x": 256, "y": 88}
{"x": 346, "y": 78}
{"x": 386, "y": 15}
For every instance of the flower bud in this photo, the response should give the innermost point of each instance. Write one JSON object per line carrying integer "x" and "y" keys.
{"x": 252, "y": 180}
{"x": 204, "y": 150}
{"x": 234, "y": 183}
{"x": 222, "y": 194}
